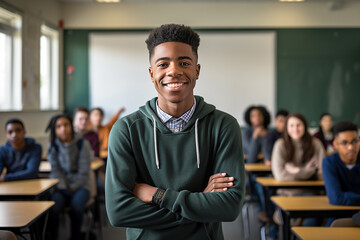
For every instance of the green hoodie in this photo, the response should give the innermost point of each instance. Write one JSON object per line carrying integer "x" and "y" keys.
{"x": 143, "y": 150}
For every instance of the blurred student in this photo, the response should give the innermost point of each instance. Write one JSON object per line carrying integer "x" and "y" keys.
{"x": 341, "y": 170}
{"x": 70, "y": 156}
{"x": 258, "y": 120}
{"x": 20, "y": 156}
{"x": 81, "y": 123}
{"x": 325, "y": 132}
{"x": 275, "y": 134}
{"x": 297, "y": 156}
{"x": 103, "y": 131}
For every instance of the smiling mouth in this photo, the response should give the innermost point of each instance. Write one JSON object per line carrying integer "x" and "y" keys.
{"x": 174, "y": 85}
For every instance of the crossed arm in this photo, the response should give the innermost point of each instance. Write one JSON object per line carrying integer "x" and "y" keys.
{"x": 218, "y": 182}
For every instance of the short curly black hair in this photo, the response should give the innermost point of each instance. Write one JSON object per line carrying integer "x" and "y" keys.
{"x": 172, "y": 33}
{"x": 263, "y": 111}
{"x": 344, "y": 126}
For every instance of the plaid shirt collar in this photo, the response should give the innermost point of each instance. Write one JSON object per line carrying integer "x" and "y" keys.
{"x": 166, "y": 118}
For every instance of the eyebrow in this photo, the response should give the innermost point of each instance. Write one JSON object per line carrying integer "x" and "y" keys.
{"x": 179, "y": 58}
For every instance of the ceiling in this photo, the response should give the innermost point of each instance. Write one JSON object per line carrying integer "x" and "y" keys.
{"x": 133, "y": 1}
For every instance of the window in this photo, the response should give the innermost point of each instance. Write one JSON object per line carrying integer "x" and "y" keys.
{"x": 10, "y": 60}
{"x": 49, "y": 68}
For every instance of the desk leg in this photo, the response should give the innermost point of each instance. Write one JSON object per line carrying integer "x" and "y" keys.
{"x": 285, "y": 219}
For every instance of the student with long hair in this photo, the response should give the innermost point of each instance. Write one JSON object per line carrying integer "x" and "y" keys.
{"x": 297, "y": 156}
{"x": 325, "y": 133}
{"x": 70, "y": 156}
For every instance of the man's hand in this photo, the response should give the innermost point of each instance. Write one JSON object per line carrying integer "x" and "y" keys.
{"x": 2, "y": 179}
{"x": 219, "y": 183}
{"x": 144, "y": 192}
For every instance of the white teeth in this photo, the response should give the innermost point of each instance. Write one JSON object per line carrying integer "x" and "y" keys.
{"x": 173, "y": 85}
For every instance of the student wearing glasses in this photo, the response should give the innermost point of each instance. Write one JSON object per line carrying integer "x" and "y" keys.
{"x": 341, "y": 170}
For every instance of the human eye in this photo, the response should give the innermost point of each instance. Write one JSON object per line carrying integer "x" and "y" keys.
{"x": 184, "y": 64}
{"x": 162, "y": 65}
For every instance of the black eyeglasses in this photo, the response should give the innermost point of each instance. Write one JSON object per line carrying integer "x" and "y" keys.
{"x": 345, "y": 143}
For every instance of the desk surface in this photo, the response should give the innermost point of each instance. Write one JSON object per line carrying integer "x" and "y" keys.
{"x": 19, "y": 214}
{"x": 45, "y": 166}
{"x": 27, "y": 188}
{"x": 272, "y": 182}
{"x": 257, "y": 167}
{"x": 308, "y": 203}
{"x": 329, "y": 233}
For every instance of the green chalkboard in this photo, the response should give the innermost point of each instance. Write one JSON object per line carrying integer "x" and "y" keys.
{"x": 318, "y": 70}
{"x": 76, "y": 81}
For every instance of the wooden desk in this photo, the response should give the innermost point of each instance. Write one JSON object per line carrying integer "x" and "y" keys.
{"x": 16, "y": 215}
{"x": 328, "y": 233}
{"x": 34, "y": 188}
{"x": 257, "y": 168}
{"x": 271, "y": 182}
{"x": 96, "y": 164}
{"x": 310, "y": 206}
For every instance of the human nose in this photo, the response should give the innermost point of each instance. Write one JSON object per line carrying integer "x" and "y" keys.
{"x": 174, "y": 70}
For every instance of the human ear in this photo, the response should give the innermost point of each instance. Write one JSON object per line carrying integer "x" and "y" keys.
{"x": 151, "y": 72}
{"x": 198, "y": 71}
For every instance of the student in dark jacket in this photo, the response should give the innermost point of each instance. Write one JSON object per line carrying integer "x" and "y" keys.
{"x": 325, "y": 133}
{"x": 70, "y": 157}
{"x": 20, "y": 156}
{"x": 80, "y": 123}
{"x": 341, "y": 170}
{"x": 275, "y": 134}
{"x": 258, "y": 120}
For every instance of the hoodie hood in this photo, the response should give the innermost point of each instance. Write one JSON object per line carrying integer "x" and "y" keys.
{"x": 202, "y": 110}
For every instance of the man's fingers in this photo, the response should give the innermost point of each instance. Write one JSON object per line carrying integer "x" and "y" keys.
{"x": 221, "y": 180}
{"x": 219, "y": 190}
{"x": 217, "y": 175}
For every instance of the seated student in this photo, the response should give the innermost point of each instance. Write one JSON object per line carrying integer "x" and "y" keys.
{"x": 258, "y": 119}
{"x": 275, "y": 134}
{"x": 325, "y": 132}
{"x": 80, "y": 123}
{"x": 70, "y": 157}
{"x": 96, "y": 118}
{"x": 297, "y": 156}
{"x": 20, "y": 156}
{"x": 341, "y": 170}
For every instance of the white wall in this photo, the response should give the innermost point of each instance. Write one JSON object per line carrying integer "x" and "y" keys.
{"x": 34, "y": 13}
{"x": 242, "y": 68}
{"x": 210, "y": 14}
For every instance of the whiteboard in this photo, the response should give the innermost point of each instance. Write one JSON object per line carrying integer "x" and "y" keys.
{"x": 237, "y": 70}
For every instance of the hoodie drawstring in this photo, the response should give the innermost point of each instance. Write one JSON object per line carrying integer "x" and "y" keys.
{"x": 155, "y": 145}
{"x": 196, "y": 144}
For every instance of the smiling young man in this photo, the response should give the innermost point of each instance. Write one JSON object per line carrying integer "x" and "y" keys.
{"x": 20, "y": 156}
{"x": 175, "y": 167}
{"x": 341, "y": 170}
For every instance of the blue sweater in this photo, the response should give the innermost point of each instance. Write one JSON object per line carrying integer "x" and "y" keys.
{"x": 342, "y": 185}
{"x": 20, "y": 165}
{"x": 252, "y": 147}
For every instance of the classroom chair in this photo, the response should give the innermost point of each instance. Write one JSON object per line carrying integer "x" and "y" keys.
{"x": 343, "y": 222}
{"x": 7, "y": 235}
